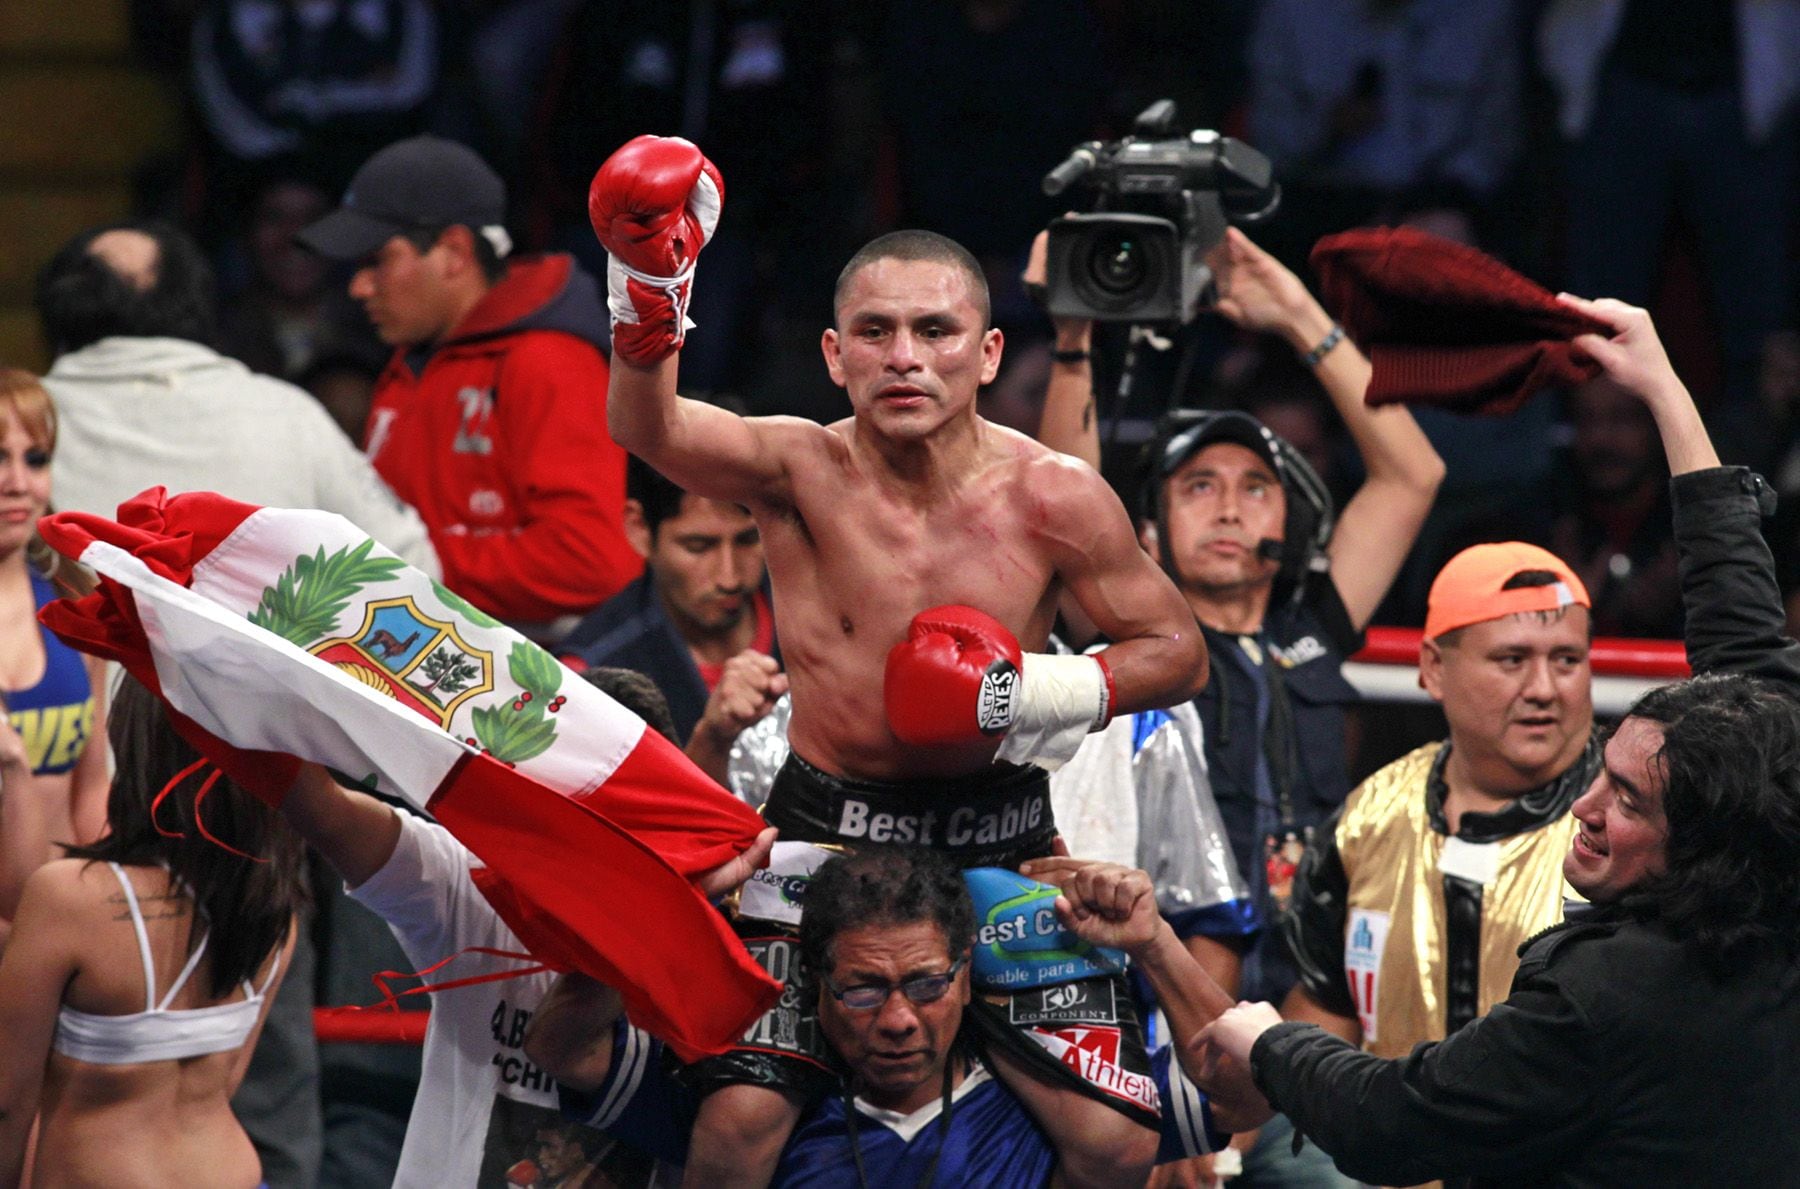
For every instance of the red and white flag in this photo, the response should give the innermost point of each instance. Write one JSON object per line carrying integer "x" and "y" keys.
{"x": 292, "y": 632}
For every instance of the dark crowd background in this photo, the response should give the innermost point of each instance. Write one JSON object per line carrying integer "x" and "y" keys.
{"x": 1648, "y": 154}
{"x": 1639, "y": 149}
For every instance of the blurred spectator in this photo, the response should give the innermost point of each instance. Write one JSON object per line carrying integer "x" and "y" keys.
{"x": 1778, "y": 392}
{"x": 1373, "y": 110}
{"x": 331, "y": 79}
{"x": 511, "y": 46}
{"x": 290, "y": 316}
{"x": 343, "y": 380}
{"x": 128, "y": 311}
{"x": 1015, "y": 398}
{"x": 1195, "y": 54}
{"x": 491, "y": 415}
{"x": 698, "y": 621}
{"x": 1618, "y": 534}
{"x": 1279, "y": 390}
{"x": 1673, "y": 106}
{"x": 741, "y": 78}
{"x": 984, "y": 97}
{"x": 162, "y": 33}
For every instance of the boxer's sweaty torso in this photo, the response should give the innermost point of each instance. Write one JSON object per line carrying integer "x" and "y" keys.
{"x": 852, "y": 560}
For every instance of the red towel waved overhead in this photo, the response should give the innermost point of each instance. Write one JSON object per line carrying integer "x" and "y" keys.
{"x": 1444, "y": 324}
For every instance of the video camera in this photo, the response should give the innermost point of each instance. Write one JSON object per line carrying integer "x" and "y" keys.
{"x": 1164, "y": 202}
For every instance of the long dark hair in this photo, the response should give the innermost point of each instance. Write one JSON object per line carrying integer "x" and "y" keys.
{"x": 249, "y": 905}
{"x": 1730, "y": 765}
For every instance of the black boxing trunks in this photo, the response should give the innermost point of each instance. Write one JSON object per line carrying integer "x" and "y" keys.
{"x": 998, "y": 817}
{"x": 784, "y": 1050}
{"x": 1084, "y": 1034}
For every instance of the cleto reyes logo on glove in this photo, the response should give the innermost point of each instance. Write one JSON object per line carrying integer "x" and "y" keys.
{"x": 956, "y": 680}
{"x": 997, "y": 703}
{"x": 960, "y": 678}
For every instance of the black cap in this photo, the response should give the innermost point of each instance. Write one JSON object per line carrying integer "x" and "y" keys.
{"x": 424, "y": 183}
{"x": 1226, "y": 425}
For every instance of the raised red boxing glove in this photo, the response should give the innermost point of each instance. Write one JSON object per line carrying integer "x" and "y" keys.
{"x": 653, "y": 204}
{"x": 960, "y": 677}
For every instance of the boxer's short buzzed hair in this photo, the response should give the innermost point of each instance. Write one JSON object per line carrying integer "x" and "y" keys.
{"x": 919, "y": 245}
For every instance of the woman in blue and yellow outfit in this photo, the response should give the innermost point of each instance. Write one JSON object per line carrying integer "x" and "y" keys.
{"x": 53, "y": 766}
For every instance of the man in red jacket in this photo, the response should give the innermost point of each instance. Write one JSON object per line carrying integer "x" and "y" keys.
{"x": 491, "y": 417}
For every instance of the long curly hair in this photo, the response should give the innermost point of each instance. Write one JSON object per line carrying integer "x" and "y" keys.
{"x": 1730, "y": 767}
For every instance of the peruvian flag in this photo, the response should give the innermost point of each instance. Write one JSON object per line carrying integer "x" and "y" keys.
{"x": 292, "y": 632}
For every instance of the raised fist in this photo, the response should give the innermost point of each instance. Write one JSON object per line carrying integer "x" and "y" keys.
{"x": 653, "y": 204}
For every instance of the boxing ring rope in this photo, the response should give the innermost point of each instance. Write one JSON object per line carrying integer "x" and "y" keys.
{"x": 377, "y": 1025}
{"x": 1386, "y": 670}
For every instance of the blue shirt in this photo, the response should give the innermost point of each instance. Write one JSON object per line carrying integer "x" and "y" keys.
{"x": 55, "y": 717}
{"x": 992, "y": 1139}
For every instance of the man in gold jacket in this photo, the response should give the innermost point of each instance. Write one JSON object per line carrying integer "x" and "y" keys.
{"x": 1409, "y": 910}
{"x": 1408, "y": 916}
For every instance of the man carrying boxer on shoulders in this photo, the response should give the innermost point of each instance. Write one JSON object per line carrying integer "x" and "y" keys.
{"x": 916, "y": 551}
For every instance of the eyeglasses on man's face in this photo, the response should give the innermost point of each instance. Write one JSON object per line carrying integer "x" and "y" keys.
{"x": 921, "y": 988}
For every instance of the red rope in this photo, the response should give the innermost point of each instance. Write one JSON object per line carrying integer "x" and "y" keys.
{"x": 390, "y": 999}
{"x": 206, "y": 786}
{"x": 171, "y": 786}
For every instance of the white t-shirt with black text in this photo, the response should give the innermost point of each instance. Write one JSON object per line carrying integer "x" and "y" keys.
{"x": 484, "y": 1114}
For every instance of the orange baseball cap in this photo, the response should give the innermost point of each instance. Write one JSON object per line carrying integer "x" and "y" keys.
{"x": 1470, "y": 587}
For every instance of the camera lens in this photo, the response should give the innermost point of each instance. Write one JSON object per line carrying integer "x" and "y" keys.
{"x": 1117, "y": 264}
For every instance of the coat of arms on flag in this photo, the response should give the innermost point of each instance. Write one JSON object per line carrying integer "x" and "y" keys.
{"x": 416, "y": 660}
{"x": 291, "y": 632}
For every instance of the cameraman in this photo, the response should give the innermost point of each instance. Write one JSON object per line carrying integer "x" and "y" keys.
{"x": 1217, "y": 515}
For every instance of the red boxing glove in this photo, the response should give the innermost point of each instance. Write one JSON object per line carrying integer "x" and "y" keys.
{"x": 960, "y": 677}
{"x": 954, "y": 679}
{"x": 653, "y": 204}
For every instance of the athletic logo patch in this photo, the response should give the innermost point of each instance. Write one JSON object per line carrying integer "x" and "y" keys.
{"x": 477, "y": 410}
{"x": 1093, "y": 1054}
{"x": 1365, "y": 937}
{"x": 1086, "y": 1002}
{"x": 1020, "y": 943}
{"x": 991, "y": 822}
{"x": 790, "y": 1027}
{"x": 778, "y": 891}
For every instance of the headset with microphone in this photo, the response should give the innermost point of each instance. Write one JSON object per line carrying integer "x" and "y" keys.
{"x": 1311, "y": 514}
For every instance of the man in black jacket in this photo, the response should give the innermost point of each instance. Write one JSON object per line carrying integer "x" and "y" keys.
{"x": 1649, "y": 1041}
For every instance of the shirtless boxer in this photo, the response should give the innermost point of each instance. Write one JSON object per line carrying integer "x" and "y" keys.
{"x": 912, "y": 502}
{"x": 912, "y": 505}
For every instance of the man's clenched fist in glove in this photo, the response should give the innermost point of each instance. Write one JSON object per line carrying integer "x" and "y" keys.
{"x": 960, "y": 676}
{"x": 654, "y": 204}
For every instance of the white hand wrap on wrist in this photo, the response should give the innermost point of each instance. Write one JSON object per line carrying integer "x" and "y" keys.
{"x": 1058, "y": 700}
{"x": 679, "y": 290}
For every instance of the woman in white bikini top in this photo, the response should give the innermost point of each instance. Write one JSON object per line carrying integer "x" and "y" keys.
{"x": 138, "y": 976}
